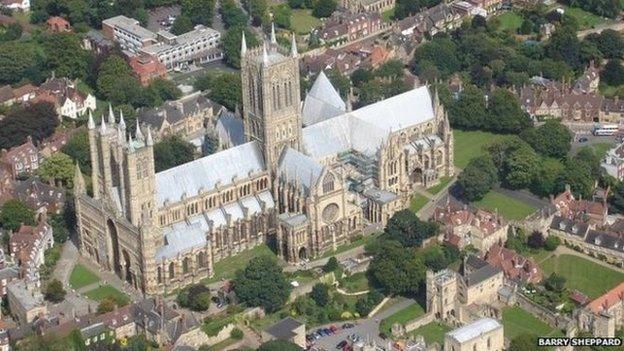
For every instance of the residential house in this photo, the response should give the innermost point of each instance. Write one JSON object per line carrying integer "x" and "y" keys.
{"x": 39, "y": 196}
{"x": 55, "y": 143}
{"x": 20, "y": 159}
{"x": 66, "y": 98}
{"x": 366, "y": 53}
{"x": 613, "y": 162}
{"x": 604, "y": 315}
{"x": 27, "y": 247}
{"x": 515, "y": 267}
{"x": 343, "y": 27}
{"x": 25, "y": 302}
{"x": 479, "y": 281}
{"x": 95, "y": 41}
{"x": 463, "y": 227}
{"x": 147, "y": 68}
{"x": 592, "y": 212}
{"x": 440, "y": 18}
{"x": 58, "y": 24}
{"x": 6, "y": 95}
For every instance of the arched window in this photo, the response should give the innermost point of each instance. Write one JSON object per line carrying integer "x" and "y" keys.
{"x": 201, "y": 260}
{"x": 328, "y": 183}
{"x": 159, "y": 275}
{"x": 171, "y": 270}
{"x": 185, "y": 265}
{"x": 489, "y": 343}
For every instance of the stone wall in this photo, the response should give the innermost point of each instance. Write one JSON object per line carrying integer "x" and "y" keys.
{"x": 419, "y": 322}
{"x": 557, "y": 321}
{"x": 196, "y": 337}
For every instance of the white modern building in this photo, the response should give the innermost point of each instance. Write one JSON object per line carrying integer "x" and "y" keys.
{"x": 484, "y": 334}
{"x": 613, "y": 162}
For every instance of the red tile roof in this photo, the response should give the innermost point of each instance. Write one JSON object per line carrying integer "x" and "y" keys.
{"x": 606, "y": 301}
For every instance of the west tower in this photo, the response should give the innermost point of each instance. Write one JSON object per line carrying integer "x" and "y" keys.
{"x": 271, "y": 98}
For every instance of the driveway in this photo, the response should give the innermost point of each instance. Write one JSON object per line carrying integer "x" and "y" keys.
{"x": 366, "y": 328}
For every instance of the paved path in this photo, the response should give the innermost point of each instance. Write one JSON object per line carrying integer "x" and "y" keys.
{"x": 564, "y": 250}
{"x": 365, "y": 328}
{"x": 426, "y": 211}
{"x": 617, "y": 26}
{"x": 65, "y": 265}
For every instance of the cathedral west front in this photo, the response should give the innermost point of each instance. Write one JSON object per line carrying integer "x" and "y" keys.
{"x": 310, "y": 176}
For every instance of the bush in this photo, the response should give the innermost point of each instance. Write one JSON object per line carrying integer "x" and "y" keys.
{"x": 196, "y": 297}
{"x": 236, "y": 334}
{"x": 320, "y": 294}
{"x": 551, "y": 243}
{"x": 331, "y": 265}
{"x": 54, "y": 291}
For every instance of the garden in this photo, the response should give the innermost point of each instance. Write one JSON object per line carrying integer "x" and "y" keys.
{"x": 517, "y": 321}
{"x": 506, "y": 206}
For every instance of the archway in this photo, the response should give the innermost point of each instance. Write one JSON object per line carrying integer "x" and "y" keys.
{"x": 112, "y": 231}
{"x": 416, "y": 175}
{"x": 127, "y": 271}
{"x": 303, "y": 253}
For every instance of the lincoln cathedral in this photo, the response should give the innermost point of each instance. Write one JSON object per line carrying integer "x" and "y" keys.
{"x": 310, "y": 176}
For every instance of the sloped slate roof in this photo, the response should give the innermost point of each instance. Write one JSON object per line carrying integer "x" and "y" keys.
{"x": 206, "y": 172}
{"x": 295, "y": 165}
{"x": 322, "y": 102}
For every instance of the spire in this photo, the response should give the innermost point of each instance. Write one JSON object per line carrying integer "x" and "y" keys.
{"x": 122, "y": 123}
{"x": 139, "y": 134}
{"x": 265, "y": 56}
{"x": 111, "y": 115}
{"x": 273, "y": 39}
{"x": 90, "y": 123}
{"x": 79, "y": 182}
{"x": 149, "y": 141}
{"x": 120, "y": 135}
{"x": 103, "y": 125}
{"x": 243, "y": 45}
{"x": 293, "y": 47}
{"x": 130, "y": 146}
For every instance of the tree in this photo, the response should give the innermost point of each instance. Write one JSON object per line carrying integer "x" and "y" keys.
{"x": 550, "y": 139}
{"x": 54, "y": 291}
{"x": 107, "y": 304}
{"x": 161, "y": 90}
{"x": 233, "y": 15}
{"x": 281, "y": 15}
{"x": 196, "y": 297}
{"x": 526, "y": 27}
{"x": 361, "y": 76}
{"x": 258, "y": 10}
{"x": 613, "y": 73}
{"x": 279, "y": 345}
{"x": 610, "y": 43}
{"x": 524, "y": 342}
{"x": 116, "y": 83}
{"x": 520, "y": 168}
{"x": 77, "y": 148}
{"x": 64, "y": 55}
{"x": 181, "y": 25}
{"x": 19, "y": 60}
{"x": 13, "y": 213}
{"x": 172, "y": 151}
{"x": 505, "y": 115}
{"x": 536, "y": 240}
{"x": 477, "y": 178}
{"x": 12, "y": 32}
{"x": 392, "y": 69}
{"x": 602, "y": 8}
{"x": 59, "y": 167}
{"x": 468, "y": 112}
{"x": 551, "y": 243}
{"x": 320, "y": 294}
{"x": 364, "y": 305}
{"x": 35, "y": 120}
{"x": 331, "y": 265}
{"x": 324, "y": 8}
{"x": 442, "y": 52}
{"x": 516, "y": 241}
{"x": 339, "y": 81}
{"x": 198, "y": 11}
{"x": 262, "y": 283}
{"x": 407, "y": 229}
{"x": 397, "y": 271}
{"x": 231, "y": 43}
{"x": 555, "y": 282}
{"x": 565, "y": 46}
{"x": 545, "y": 180}
{"x": 223, "y": 88}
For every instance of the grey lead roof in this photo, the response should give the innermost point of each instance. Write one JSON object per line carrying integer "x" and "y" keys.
{"x": 474, "y": 329}
{"x": 296, "y": 166}
{"x": 284, "y": 328}
{"x": 322, "y": 102}
{"x": 206, "y": 173}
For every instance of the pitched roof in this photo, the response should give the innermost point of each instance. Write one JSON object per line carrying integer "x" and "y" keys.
{"x": 207, "y": 172}
{"x": 607, "y": 300}
{"x": 474, "y": 329}
{"x": 299, "y": 167}
{"x": 284, "y": 328}
{"x": 322, "y": 102}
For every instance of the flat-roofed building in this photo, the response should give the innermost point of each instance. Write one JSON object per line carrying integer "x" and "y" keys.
{"x": 482, "y": 334}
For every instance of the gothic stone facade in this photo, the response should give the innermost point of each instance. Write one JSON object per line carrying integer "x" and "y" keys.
{"x": 161, "y": 231}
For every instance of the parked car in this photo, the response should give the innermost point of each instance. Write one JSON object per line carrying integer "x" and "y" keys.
{"x": 583, "y": 139}
{"x": 341, "y": 344}
{"x": 348, "y": 326}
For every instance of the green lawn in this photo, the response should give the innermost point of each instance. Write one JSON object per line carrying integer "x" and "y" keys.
{"x": 437, "y": 188}
{"x": 585, "y": 19}
{"x": 470, "y": 144}
{"x": 99, "y": 294}
{"x": 403, "y": 316}
{"x": 432, "y": 332}
{"x": 361, "y": 240}
{"x": 302, "y": 21}
{"x": 81, "y": 276}
{"x": 418, "y": 201}
{"x": 388, "y": 16}
{"x": 226, "y": 268}
{"x": 517, "y": 321}
{"x": 509, "y": 21}
{"x": 355, "y": 282}
{"x": 601, "y": 148}
{"x": 586, "y": 276}
{"x": 507, "y": 207}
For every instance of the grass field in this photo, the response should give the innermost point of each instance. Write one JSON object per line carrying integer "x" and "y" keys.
{"x": 601, "y": 148}
{"x": 470, "y": 144}
{"x": 585, "y": 19}
{"x": 362, "y": 240}
{"x": 226, "y": 268}
{"x": 302, "y": 21}
{"x": 99, "y": 294}
{"x": 506, "y": 206}
{"x": 517, "y": 321}
{"x": 403, "y": 316}
{"x": 509, "y": 21}
{"x": 443, "y": 182}
{"x": 417, "y": 202}
{"x": 355, "y": 282}
{"x": 388, "y": 16}
{"x": 432, "y": 332}
{"x": 81, "y": 276}
{"x": 586, "y": 276}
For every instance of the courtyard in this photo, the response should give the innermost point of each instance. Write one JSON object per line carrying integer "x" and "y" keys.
{"x": 517, "y": 321}
{"x": 81, "y": 276}
{"x": 506, "y": 206}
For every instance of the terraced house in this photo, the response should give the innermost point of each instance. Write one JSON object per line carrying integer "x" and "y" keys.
{"x": 308, "y": 189}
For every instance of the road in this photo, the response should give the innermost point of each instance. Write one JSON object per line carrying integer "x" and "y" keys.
{"x": 617, "y": 26}
{"x": 366, "y": 327}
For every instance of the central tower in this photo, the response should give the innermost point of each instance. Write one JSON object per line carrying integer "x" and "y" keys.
{"x": 271, "y": 98}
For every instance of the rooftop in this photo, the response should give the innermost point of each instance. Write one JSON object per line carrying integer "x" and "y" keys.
{"x": 474, "y": 329}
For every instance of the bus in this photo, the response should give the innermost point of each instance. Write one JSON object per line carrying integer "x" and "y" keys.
{"x": 606, "y": 129}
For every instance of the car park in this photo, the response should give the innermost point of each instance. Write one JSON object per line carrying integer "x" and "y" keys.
{"x": 341, "y": 344}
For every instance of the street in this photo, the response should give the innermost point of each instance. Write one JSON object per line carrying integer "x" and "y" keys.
{"x": 366, "y": 328}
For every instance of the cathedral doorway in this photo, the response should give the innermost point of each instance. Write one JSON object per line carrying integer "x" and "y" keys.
{"x": 114, "y": 238}
{"x": 416, "y": 176}
{"x": 127, "y": 272}
{"x": 303, "y": 254}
